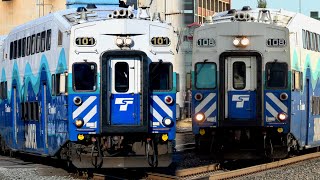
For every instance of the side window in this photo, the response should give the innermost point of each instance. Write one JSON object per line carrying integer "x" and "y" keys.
{"x": 202, "y": 72}
{"x": 55, "y": 79}
{"x": 315, "y": 105}
{"x": 19, "y": 48}
{"x": 28, "y": 46}
{"x": 276, "y": 75}
{"x": 304, "y": 39}
{"x": 48, "y": 40}
{"x": 11, "y": 50}
{"x": 239, "y": 75}
{"x": 23, "y": 47}
{"x": 84, "y": 76}
{"x": 23, "y": 111}
{"x": 33, "y": 44}
{"x": 15, "y": 47}
{"x": 297, "y": 78}
{"x": 3, "y": 90}
{"x": 38, "y": 42}
{"x": 43, "y": 41}
{"x": 60, "y": 38}
{"x": 160, "y": 76}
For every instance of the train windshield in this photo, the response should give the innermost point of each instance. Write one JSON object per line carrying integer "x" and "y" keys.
{"x": 84, "y": 76}
{"x": 276, "y": 74}
{"x": 121, "y": 77}
{"x": 160, "y": 76}
{"x": 206, "y": 75}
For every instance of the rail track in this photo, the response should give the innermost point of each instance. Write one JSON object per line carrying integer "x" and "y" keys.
{"x": 215, "y": 171}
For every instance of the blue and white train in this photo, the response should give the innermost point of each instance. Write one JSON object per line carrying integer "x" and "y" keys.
{"x": 256, "y": 88}
{"x": 94, "y": 86}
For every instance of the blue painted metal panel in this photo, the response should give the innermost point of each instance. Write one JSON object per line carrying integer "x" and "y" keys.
{"x": 208, "y": 106}
{"x": 159, "y": 110}
{"x": 125, "y": 109}
{"x": 88, "y": 111}
{"x": 242, "y": 105}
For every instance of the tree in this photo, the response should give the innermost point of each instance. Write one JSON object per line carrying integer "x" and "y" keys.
{"x": 262, "y": 3}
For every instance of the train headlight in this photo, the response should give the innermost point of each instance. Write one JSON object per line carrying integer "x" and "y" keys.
{"x": 168, "y": 100}
{"x": 128, "y": 41}
{"x": 283, "y": 96}
{"x": 200, "y": 117}
{"x": 77, "y": 100}
{"x": 245, "y": 41}
{"x": 119, "y": 42}
{"x": 236, "y": 41}
{"x": 167, "y": 122}
{"x": 198, "y": 96}
{"x": 78, "y": 123}
{"x": 282, "y": 116}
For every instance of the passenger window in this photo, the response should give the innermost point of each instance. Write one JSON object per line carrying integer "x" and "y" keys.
{"x": 43, "y": 41}
{"x": 60, "y": 38}
{"x": 84, "y": 76}
{"x": 297, "y": 80}
{"x": 15, "y": 47}
{"x": 28, "y": 46}
{"x": 33, "y": 44}
{"x": 121, "y": 77}
{"x": 55, "y": 84}
{"x": 160, "y": 76}
{"x": 276, "y": 75}
{"x": 11, "y": 50}
{"x": 19, "y": 48}
{"x": 48, "y": 40}
{"x": 206, "y": 75}
{"x": 38, "y": 42}
{"x": 24, "y": 47}
{"x": 239, "y": 75}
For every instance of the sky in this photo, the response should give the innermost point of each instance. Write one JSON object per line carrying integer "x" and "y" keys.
{"x": 290, "y": 5}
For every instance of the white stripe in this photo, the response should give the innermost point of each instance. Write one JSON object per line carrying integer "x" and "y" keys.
{"x": 271, "y": 110}
{"x": 84, "y": 106}
{"x": 163, "y": 106}
{"x": 278, "y": 102}
{"x": 155, "y": 114}
{"x": 92, "y": 112}
{"x": 210, "y": 110}
{"x": 205, "y": 102}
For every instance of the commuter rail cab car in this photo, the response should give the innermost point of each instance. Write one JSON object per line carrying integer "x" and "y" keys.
{"x": 256, "y": 88}
{"x": 96, "y": 87}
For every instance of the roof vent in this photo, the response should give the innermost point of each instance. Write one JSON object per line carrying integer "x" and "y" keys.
{"x": 91, "y": 6}
{"x": 246, "y": 8}
{"x": 81, "y": 9}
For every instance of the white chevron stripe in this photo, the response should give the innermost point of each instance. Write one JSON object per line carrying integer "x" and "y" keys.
{"x": 84, "y": 106}
{"x": 163, "y": 106}
{"x": 205, "y": 102}
{"x": 92, "y": 112}
{"x": 211, "y": 109}
{"x": 155, "y": 114}
{"x": 271, "y": 110}
{"x": 278, "y": 102}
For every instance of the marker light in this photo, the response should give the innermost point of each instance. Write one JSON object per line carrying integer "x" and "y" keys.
{"x": 200, "y": 117}
{"x": 283, "y": 96}
{"x": 79, "y": 123}
{"x": 119, "y": 42}
{"x": 282, "y": 116}
{"x": 128, "y": 42}
{"x": 245, "y": 41}
{"x": 236, "y": 41}
{"x": 167, "y": 122}
{"x": 168, "y": 100}
{"x": 198, "y": 96}
{"x": 77, "y": 100}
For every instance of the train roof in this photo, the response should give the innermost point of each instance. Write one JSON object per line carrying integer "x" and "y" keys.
{"x": 69, "y": 17}
{"x": 279, "y": 17}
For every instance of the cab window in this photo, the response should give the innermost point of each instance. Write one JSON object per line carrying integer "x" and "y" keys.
{"x": 84, "y": 76}
{"x": 160, "y": 76}
{"x": 206, "y": 75}
{"x": 121, "y": 77}
{"x": 276, "y": 75}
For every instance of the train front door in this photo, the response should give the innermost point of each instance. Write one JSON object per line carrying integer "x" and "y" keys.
{"x": 124, "y": 91}
{"x": 241, "y": 86}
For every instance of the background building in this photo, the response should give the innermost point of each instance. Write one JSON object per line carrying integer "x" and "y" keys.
{"x": 198, "y": 10}
{"x": 315, "y": 15}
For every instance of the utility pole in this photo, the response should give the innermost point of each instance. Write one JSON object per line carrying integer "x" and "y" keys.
{"x": 299, "y": 6}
